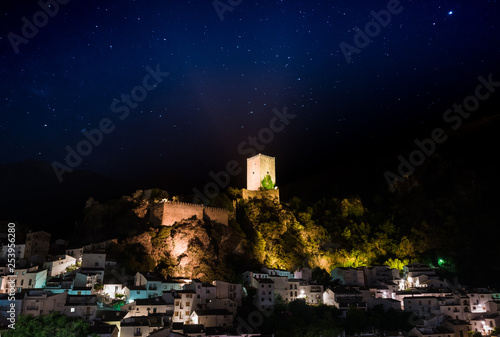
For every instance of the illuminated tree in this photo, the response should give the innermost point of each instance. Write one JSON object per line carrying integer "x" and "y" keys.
{"x": 267, "y": 183}
{"x": 52, "y": 325}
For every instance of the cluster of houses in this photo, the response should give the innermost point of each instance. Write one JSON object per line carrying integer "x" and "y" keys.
{"x": 438, "y": 308}
{"x": 82, "y": 282}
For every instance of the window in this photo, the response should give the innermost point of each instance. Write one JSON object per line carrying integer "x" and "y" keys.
{"x": 96, "y": 264}
{"x": 72, "y": 310}
{"x": 176, "y": 303}
{"x": 176, "y": 313}
{"x": 187, "y": 313}
{"x": 22, "y": 282}
{"x": 188, "y": 304}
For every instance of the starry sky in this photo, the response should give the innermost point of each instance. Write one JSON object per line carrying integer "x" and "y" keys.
{"x": 225, "y": 71}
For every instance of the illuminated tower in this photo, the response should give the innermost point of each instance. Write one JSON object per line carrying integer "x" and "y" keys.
{"x": 258, "y": 167}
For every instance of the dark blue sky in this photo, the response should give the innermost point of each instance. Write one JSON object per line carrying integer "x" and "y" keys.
{"x": 226, "y": 77}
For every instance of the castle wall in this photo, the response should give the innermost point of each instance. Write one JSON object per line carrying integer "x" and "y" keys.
{"x": 220, "y": 215}
{"x": 272, "y": 194}
{"x": 177, "y": 211}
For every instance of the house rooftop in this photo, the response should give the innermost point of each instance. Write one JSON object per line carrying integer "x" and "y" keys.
{"x": 110, "y": 315}
{"x": 103, "y": 328}
{"x": 434, "y": 331}
{"x": 345, "y": 290}
{"x": 263, "y": 280}
{"x": 153, "y": 277}
{"x": 213, "y": 312}
{"x": 150, "y": 301}
{"x": 193, "y": 328}
{"x": 133, "y": 287}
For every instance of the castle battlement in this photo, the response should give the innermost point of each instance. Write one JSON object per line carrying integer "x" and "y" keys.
{"x": 184, "y": 203}
{"x": 176, "y": 211}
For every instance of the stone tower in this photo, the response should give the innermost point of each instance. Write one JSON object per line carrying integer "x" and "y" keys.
{"x": 258, "y": 167}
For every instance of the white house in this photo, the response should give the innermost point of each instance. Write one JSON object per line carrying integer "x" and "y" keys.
{"x": 185, "y": 302}
{"x": 39, "y": 302}
{"x": 58, "y": 265}
{"x": 277, "y": 272}
{"x": 453, "y": 308}
{"x": 485, "y": 323}
{"x": 152, "y": 283}
{"x": 77, "y": 253}
{"x": 423, "y": 306}
{"x": 113, "y": 289}
{"x": 349, "y": 276}
{"x": 140, "y": 325}
{"x": 248, "y": 276}
{"x": 29, "y": 278}
{"x": 205, "y": 293}
{"x": 133, "y": 293}
{"x": 18, "y": 251}
{"x": 344, "y": 298}
{"x": 212, "y": 318}
{"x": 223, "y": 303}
{"x": 84, "y": 306}
{"x": 145, "y": 307}
{"x": 264, "y": 296}
{"x": 232, "y": 291}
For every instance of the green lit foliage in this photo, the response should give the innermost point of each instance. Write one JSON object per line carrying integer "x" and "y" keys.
{"x": 326, "y": 234}
{"x": 352, "y": 207}
{"x": 267, "y": 183}
{"x": 52, "y": 325}
{"x": 396, "y": 263}
{"x": 234, "y": 193}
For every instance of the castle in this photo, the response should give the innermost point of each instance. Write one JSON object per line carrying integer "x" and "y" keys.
{"x": 258, "y": 167}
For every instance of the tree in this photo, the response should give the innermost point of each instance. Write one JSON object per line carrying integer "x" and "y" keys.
{"x": 267, "y": 182}
{"x": 53, "y": 325}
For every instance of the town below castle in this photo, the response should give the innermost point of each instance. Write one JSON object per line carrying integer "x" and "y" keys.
{"x": 84, "y": 282}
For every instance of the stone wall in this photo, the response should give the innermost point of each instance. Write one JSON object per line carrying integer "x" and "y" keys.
{"x": 220, "y": 215}
{"x": 177, "y": 211}
{"x": 271, "y": 194}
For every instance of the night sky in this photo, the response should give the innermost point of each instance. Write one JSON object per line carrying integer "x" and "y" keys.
{"x": 212, "y": 83}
